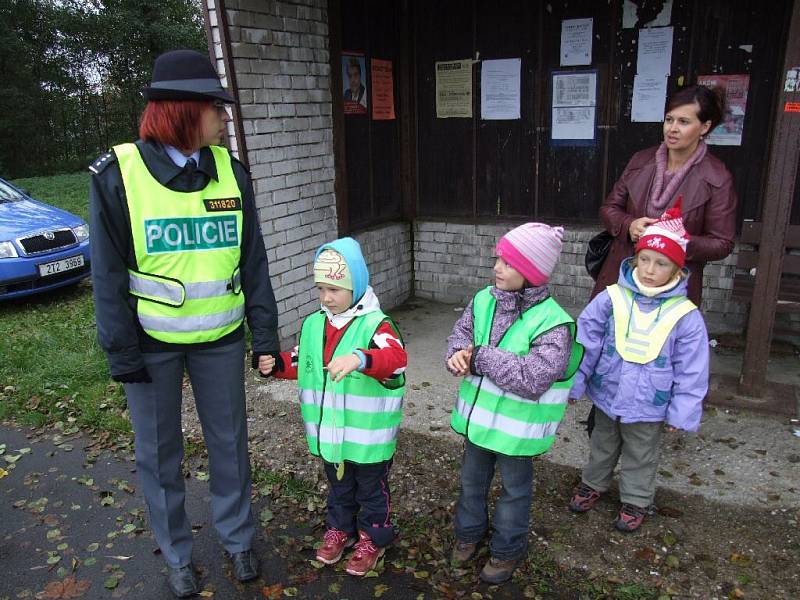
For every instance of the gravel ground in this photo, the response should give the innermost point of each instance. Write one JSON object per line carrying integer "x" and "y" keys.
{"x": 728, "y": 497}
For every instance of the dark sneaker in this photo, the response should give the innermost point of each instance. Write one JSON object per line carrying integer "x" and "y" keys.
{"x": 584, "y": 498}
{"x": 463, "y": 551}
{"x": 245, "y": 565}
{"x": 630, "y": 517}
{"x": 182, "y": 581}
{"x": 497, "y": 571}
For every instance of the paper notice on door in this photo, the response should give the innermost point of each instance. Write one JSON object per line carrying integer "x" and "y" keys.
{"x": 655, "y": 51}
{"x": 649, "y": 98}
{"x": 454, "y": 89}
{"x": 500, "y": 89}
{"x": 576, "y": 42}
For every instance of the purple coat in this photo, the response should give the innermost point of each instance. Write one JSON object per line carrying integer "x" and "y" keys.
{"x": 628, "y": 391}
{"x": 528, "y": 376}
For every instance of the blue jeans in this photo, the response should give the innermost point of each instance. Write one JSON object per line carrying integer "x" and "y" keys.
{"x": 512, "y": 511}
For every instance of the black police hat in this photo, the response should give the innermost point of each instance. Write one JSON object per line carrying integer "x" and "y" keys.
{"x": 185, "y": 75}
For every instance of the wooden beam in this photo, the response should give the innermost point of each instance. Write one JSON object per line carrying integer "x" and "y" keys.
{"x": 337, "y": 115}
{"x": 784, "y": 155}
{"x": 406, "y": 84}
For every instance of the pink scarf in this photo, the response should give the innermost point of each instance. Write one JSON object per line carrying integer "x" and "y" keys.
{"x": 660, "y": 196}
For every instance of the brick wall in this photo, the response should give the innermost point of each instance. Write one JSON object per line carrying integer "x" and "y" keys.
{"x": 453, "y": 260}
{"x": 387, "y": 250}
{"x": 280, "y": 55}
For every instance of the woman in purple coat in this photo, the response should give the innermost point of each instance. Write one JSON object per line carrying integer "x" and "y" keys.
{"x": 645, "y": 362}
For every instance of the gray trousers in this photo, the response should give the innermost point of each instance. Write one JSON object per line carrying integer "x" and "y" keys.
{"x": 217, "y": 378}
{"x": 638, "y": 445}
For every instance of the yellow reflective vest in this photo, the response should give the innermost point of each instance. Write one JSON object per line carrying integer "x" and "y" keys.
{"x": 187, "y": 247}
{"x": 640, "y": 336}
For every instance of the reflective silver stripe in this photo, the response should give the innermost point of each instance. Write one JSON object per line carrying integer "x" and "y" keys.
{"x": 638, "y": 342}
{"x": 462, "y": 408}
{"x": 208, "y": 289}
{"x": 551, "y": 396}
{"x": 366, "y": 437}
{"x": 519, "y": 429}
{"x": 193, "y": 323}
{"x": 367, "y": 404}
{"x": 637, "y": 351}
{"x": 170, "y": 291}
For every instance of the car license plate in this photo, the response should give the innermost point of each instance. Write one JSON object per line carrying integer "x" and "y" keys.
{"x": 60, "y": 266}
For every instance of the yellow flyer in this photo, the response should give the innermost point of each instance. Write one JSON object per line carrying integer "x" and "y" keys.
{"x": 454, "y": 89}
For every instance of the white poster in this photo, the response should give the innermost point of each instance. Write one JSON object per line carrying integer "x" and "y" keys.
{"x": 649, "y": 98}
{"x": 500, "y": 89}
{"x": 655, "y": 51}
{"x": 576, "y": 42}
{"x": 574, "y": 105}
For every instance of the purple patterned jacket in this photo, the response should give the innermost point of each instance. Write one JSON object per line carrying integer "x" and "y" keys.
{"x": 530, "y": 375}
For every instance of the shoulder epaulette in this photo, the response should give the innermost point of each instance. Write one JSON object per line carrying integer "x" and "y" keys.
{"x": 102, "y": 162}
{"x": 236, "y": 160}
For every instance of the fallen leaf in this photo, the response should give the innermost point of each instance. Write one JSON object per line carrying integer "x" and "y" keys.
{"x": 421, "y": 574}
{"x": 111, "y": 583}
{"x": 129, "y": 528}
{"x": 206, "y": 594}
{"x": 740, "y": 559}
{"x": 335, "y": 587}
{"x": 3, "y": 472}
{"x": 119, "y": 557}
{"x": 290, "y": 591}
{"x": 92, "y": 547}
{"x": 266, "y": 515}
{"x": 647, "y": 555}
{"x": 272, "y": 592}
{"x": 380, "y": 590}
{"x": 672, "y": 561}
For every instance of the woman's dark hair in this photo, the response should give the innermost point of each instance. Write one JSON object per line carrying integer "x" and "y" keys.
{"x": 710, "y": 101}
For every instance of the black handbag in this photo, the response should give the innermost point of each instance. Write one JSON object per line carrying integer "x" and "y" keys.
{"x": 597, "y": 252}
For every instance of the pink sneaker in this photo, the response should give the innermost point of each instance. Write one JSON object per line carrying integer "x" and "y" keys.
{"x": 334, "y": 543}
{"x": 365, "y": 557}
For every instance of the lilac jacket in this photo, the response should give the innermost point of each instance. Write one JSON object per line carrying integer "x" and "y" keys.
{"x": 629, "y": 391}
{"x": 528, "y": 376}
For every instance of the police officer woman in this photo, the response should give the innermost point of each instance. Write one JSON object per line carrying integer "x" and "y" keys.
{"x": 178, "y": 262}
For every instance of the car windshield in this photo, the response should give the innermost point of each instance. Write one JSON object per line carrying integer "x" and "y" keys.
{"x": 8, "y": 193}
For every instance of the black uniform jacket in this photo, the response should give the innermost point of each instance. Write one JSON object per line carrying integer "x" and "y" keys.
{"x": 112, "y": 253}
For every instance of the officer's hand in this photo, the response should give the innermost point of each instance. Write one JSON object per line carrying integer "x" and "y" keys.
{"x": 340, "y": 366}
{"x": 266, "y": 363}
{"x": 140, "y": 376}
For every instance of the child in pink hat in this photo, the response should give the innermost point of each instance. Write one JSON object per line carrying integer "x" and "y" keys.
{"x": 514, "y": 347}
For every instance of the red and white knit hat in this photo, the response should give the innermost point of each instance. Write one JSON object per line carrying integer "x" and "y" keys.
{"x": 667, "y": 235}
{"x": 532, "y": 249}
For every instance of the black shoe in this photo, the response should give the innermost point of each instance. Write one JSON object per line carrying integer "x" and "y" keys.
{"x": 182, "y": 581}
{"x": 245, "y": 565}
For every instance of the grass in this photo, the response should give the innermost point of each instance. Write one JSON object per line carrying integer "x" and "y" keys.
{"x": 70, "y": 192}
{"x": 52, "y": 368}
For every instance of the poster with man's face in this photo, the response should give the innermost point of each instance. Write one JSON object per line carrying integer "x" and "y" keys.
{"x": 354, "y": 83}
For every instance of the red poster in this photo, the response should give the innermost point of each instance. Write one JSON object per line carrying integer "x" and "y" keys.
{"x": 382, "y": 90}
{"x": 354, "y": 83}
{"x": 729, "y": 132}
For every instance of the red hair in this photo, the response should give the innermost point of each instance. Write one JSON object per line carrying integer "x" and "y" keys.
{"x": 173, "y": 122}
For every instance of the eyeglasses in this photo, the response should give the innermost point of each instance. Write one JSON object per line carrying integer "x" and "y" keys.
{"x": 220, "y": 106}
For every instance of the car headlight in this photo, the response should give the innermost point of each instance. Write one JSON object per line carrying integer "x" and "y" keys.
{"x": 7, "y": 250}
{"x": 81, "y": 232}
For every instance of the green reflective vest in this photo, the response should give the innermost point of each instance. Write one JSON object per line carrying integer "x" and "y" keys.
{"x": 640, "y": 336}
{"x": 502, "y": 421}
{"x": 356, "y": 419}
{"x": 187, "y": 247}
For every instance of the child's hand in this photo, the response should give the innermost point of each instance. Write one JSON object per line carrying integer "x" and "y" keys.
{"x": 460, "y": 360}
{"x": 340, "y": 366}
{"x": 265, "y": 364}
{"x": 671, "y": 429}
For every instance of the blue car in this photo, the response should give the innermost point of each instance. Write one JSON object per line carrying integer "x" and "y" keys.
{"x": 41, "y": 247}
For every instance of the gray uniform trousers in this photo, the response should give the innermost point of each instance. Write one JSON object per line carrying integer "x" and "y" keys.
{"x": 638, "y": 444}
{"x": 217, "y": 378}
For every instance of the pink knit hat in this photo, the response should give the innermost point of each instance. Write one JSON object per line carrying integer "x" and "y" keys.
{"x": 532, "y": 249}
